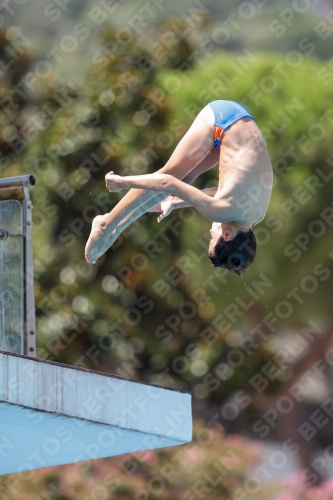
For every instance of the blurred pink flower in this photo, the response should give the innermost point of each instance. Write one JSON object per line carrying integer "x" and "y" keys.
{"x": 195, "y": 457}
{"x": 288, "y": 495}
{"x": 328, "y": 486}
{"x": 73, "y": 466}
{"x": 235, "y": 440}
{"x": 322, "y": 492}
{"x": 67, "y": 491}
{"x": 295, "y": 481}
{"x": 254, "y": 448}
{"x": 316, "y": 493}
{"x": 149, "y": 457}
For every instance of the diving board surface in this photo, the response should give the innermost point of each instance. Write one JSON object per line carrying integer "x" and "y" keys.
{"x": 52, "y": 414}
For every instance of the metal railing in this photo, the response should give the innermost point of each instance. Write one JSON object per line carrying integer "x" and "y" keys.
{"x": 17, "y": 302}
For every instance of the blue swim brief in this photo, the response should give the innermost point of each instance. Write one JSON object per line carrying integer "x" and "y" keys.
{"x": 226, "y": 114}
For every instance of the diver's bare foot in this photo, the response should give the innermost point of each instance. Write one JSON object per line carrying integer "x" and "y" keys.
{"x": 97, "y": 242}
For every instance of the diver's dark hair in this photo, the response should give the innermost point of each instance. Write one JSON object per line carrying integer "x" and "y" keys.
{"x": 237, "y": 254}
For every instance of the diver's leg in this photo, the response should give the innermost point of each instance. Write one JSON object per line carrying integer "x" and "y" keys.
{"x": 196, "y": 144}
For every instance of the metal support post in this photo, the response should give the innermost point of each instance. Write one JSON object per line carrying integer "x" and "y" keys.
{"x": 29, "y": 294}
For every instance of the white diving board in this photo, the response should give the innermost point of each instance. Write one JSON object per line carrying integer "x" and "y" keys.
{"x": 53, "y": 414}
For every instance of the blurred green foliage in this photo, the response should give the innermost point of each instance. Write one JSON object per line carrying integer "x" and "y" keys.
{"x": 279, "y": 26}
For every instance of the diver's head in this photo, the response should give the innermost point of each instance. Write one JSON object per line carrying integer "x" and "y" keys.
{"x": 231, "y": 247}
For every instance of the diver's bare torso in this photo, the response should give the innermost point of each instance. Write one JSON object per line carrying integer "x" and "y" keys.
{"x": 245, "y": 173}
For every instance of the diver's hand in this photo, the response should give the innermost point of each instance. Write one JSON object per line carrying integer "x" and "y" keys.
{"x": 166, "y": 208}
{"x": 114, "y": 183}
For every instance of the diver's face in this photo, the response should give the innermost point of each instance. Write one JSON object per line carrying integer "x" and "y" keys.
{"x": 215, "y": 233}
